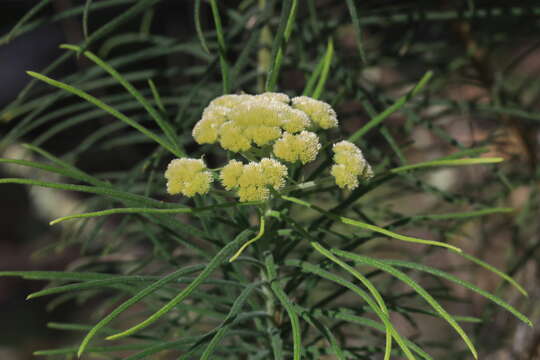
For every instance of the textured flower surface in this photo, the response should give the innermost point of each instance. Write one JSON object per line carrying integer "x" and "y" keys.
{"x": 253, "y": 180}
{"x": 239, "y": 122}
{"x": 188, "y": 177}
{"x": 231, "y": 173}
{"x": 350, "y": 164}
{"x": 319, "y": 112}
{"x": 260, "y": 127}
{"x": 303, "y": 147}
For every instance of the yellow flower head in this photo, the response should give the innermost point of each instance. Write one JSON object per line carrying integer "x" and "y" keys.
{"x": 254, "y": 179}
{"x": 207, "y": 129}
{"x": 257, "y": 111}
{"x": 344, "y": 178}
{"x": 302, "y": 147}
{"x": 294, "y": 120}
{"x": 350, "y": 164}
{"x": 318, "y": 111}
{"x": 274, "y": 173}
{"x": 188, "y": 177}
{"x": 232, "y": 137}
{"x": 252, "y": 184}
{"x": 262, "y": 135}
{"x": 231, "y": 173}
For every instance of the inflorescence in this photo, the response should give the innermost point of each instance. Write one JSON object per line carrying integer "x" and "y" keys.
{"x": 273, "y": 128}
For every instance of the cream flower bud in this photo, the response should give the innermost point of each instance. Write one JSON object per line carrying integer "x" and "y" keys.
{"x": 188, "y": 177}
{"x": 232, "y": 138}
{"x": 262, "y": 135}
{"x": 207, "y": 129}
{"x": 274, "y": 173}
{"x": 230, "y": 174}
{"x": 254, "y": 179}
{"x": 294, "y": 120}
{"x": 258, "y": 111}
{"x": 318, "y": 111}
{"x": 302, "y": 147}
{"x": 350, "y": 165}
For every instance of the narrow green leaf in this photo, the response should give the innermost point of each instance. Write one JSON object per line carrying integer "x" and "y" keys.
{"x": 450, "y": 162}
{"x": 370, "y": 227}
{"x": 151, "y": 211}
{"x": 463, "y": 214}
{"x": 351, "y": 5}
{"x": 312, "y": 80}
{"x": 392, "y": 109}
{"x": 226, "y": 324}
{"x": 327, "y": 62}
{"x": 106, "y": 108}
{"x": 365, "y": 296}
{"x": 251, "y": 241}
{"x": 128, "y": 303}
{"x": 221, "y": 48}
{"x": 166, "y": 127}
{"x": 287, "y": 304}
{"x": 455, "y": 279}
{"x": 86, "y": 12}
{"x": 198, "y": 27}
{"x": 494, "y": 270}
{"x": 27, "y": 16}
{"x": 157, "y": 97}
{"x": 420, "y": 290}
{"x": 212, "y": 265}
{"x": 286, "y": 24}
{"x": 368, "y": 284}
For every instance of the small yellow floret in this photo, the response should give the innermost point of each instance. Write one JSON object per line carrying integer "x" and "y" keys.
{"x": 231, "y": 173}
{"x": 319, "y": 112}
{"x": 344, "y": 178}
{"x": 254, "y": 179}
{"x": 258, "y": 111}
{"x": 232, "y": 138}
{"x": 252, "y": 184}
{"x": 262, "y": 135}
{"x": 350, "y": 165}
{"x": 274, "y": 172}
{"x": 294, "y": 120}
{"x": 302, "y": 147}
{"x": 188, "y": 177}
{"x": 206, "y": 130}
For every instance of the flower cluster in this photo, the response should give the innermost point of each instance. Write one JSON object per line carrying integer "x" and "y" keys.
{"x": 254, "y": 180}
{"x": 270, "y": 127}
{"x": 303, "y": 147}
{"x": 188, "y": 177}
{"x": 350, "y": 164}
{"x": 239, "y": 122}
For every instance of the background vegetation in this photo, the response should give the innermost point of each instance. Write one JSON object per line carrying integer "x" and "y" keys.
{"x": 363, "y": 58}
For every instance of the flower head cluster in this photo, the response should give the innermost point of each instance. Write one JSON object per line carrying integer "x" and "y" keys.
{"x": 318, "y": 111}
{"x": 302, "y": 147}
{"x": 188, "y": 177}
{"x": 269, "y": 124}
{"x": 350, "y": 164}
{"x": 239, "y": 122}
{"x": 254, "y": 180}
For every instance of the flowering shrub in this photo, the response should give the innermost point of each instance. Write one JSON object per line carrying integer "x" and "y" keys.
{"x": 284, "y": 245}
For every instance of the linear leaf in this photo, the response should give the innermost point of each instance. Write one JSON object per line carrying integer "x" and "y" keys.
{"x": 212, "y": 265}
{"x": 420, "y": 290}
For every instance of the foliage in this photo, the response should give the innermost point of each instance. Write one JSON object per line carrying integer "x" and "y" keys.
{"x": 327, "y": 271}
